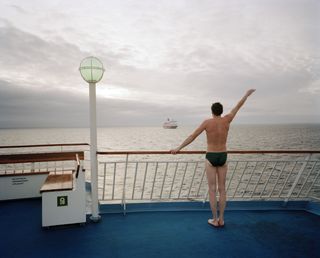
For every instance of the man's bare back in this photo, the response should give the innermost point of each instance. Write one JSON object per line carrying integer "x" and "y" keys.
{"x": 217, "y": 129}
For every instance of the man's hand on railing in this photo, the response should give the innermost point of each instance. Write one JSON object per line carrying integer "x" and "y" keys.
{"x": 175, "y": 151}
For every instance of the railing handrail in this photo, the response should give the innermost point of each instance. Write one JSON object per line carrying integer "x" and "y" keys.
{"x": 40, "y": 157}
{"x": 203, "y": 152}
{"x": 43, "y": 145}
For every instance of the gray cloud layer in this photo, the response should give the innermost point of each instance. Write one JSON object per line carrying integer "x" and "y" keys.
{"x": 162, "y": 60}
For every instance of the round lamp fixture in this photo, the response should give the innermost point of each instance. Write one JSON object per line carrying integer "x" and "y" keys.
{"x": 91, "y": 69}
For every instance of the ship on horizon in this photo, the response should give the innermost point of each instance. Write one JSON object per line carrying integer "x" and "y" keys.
{"x": 170, "y": 124}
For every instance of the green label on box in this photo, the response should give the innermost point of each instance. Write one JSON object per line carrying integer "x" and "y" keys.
{"x": 62, "y": 201}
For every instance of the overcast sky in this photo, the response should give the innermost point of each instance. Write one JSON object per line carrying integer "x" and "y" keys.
{"x": 169, "y": 58}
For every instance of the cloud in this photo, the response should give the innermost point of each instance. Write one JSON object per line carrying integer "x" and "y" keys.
{"x": 163, "y": 59}
{"x": 18, "y": 9}
{"x": 30, "y": 59}
{"x": 313, "y": 88}
{"x": 21, "y": 107}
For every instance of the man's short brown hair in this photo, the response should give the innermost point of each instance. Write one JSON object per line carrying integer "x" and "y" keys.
{"x": 217, "y": 109}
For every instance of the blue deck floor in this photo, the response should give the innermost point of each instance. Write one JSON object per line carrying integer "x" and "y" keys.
{"x": 274, "y": 233}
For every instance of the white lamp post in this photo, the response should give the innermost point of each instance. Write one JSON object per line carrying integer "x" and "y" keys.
{"x": 91, "y": 70}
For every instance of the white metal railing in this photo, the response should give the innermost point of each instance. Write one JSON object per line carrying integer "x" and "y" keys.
{"x": 265, "y": 178}
{"x": 41, "y": 158}
{"x": 37, "y": 167}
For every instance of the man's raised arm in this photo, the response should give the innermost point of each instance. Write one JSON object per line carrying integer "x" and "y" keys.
{"x": 234, "y": 111}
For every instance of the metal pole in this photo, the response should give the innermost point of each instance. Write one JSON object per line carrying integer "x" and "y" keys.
{"x": 93, "y": 154}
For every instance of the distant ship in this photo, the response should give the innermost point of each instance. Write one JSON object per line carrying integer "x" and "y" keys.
{"x": 170, "y": 124}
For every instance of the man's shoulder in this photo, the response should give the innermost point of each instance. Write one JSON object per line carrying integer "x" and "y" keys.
{"x": 228, "y": 117}
{"x": 206, "y": 121}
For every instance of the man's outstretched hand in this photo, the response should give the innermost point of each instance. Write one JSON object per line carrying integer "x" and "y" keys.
{"x": 249, "y": 92}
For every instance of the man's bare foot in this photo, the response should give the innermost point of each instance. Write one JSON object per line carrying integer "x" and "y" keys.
{"x": 221, "y": 223}
{"x": 214, "y": 222}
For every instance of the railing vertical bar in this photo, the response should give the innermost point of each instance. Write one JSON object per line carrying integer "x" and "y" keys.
{"x": 104, "y": 180}
{"x": 233, "y": 172}
{"x": 154, "y": 179}
{"x": 164, "y": 178}
{"x": 75, "y": 163}
{"x": 124, "y": 185}
{"x": 206, "y": 195}
{"x": 134, "y": 181}
{"x": 297, "y": 179}
{"x": 267, "y": 182}
{"x": 174, "y": 177}
{"x": 194, "y": 173}
{"x": 204, "y": 171}
{"x": 79, "y": 162}
{"x": 278, "y": 178}
{"x": 254, "y": 190}
{"x": 314, "y": 181}
{"x": 295, "y": 164}
{"x": 252, "y": 172}
{"x": 144, "y": 180}
{"x": 310, "y": 172}
{"x": 184, "y": 174}
{"x": 114, "y": 179}
{"x": 245, "y": 168}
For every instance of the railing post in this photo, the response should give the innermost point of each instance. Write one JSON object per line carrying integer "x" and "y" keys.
{"x": 104, "y": 180}
{"x": 124, "y": 186}
{"x": 296, "y": 180}
{"x": 206, "y": 196}
{"x": 174, "y": 177}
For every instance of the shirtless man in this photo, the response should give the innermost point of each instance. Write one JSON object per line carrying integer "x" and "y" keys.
{"x": 217, "y": 129}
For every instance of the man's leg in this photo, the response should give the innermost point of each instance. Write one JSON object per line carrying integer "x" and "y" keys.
{"x": 211, "y": 178}
{"x": 222, "y": 173}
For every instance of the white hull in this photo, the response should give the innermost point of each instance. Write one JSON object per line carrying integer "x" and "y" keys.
{"x": 170, "y": 126}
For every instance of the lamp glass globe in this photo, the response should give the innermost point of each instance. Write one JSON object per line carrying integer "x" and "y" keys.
{"x": 91, "y": 69}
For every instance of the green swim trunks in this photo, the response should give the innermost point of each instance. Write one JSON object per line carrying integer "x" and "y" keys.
{"x": 216, "y": 159}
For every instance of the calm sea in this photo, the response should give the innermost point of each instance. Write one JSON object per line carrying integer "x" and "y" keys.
{"x": 241, "y": 137}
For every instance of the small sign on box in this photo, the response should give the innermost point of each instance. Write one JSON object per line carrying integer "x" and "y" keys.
{"x": 62, "y": 201}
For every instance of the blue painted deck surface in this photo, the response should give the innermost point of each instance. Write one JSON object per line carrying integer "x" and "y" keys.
{"x": 248, "y": 233}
